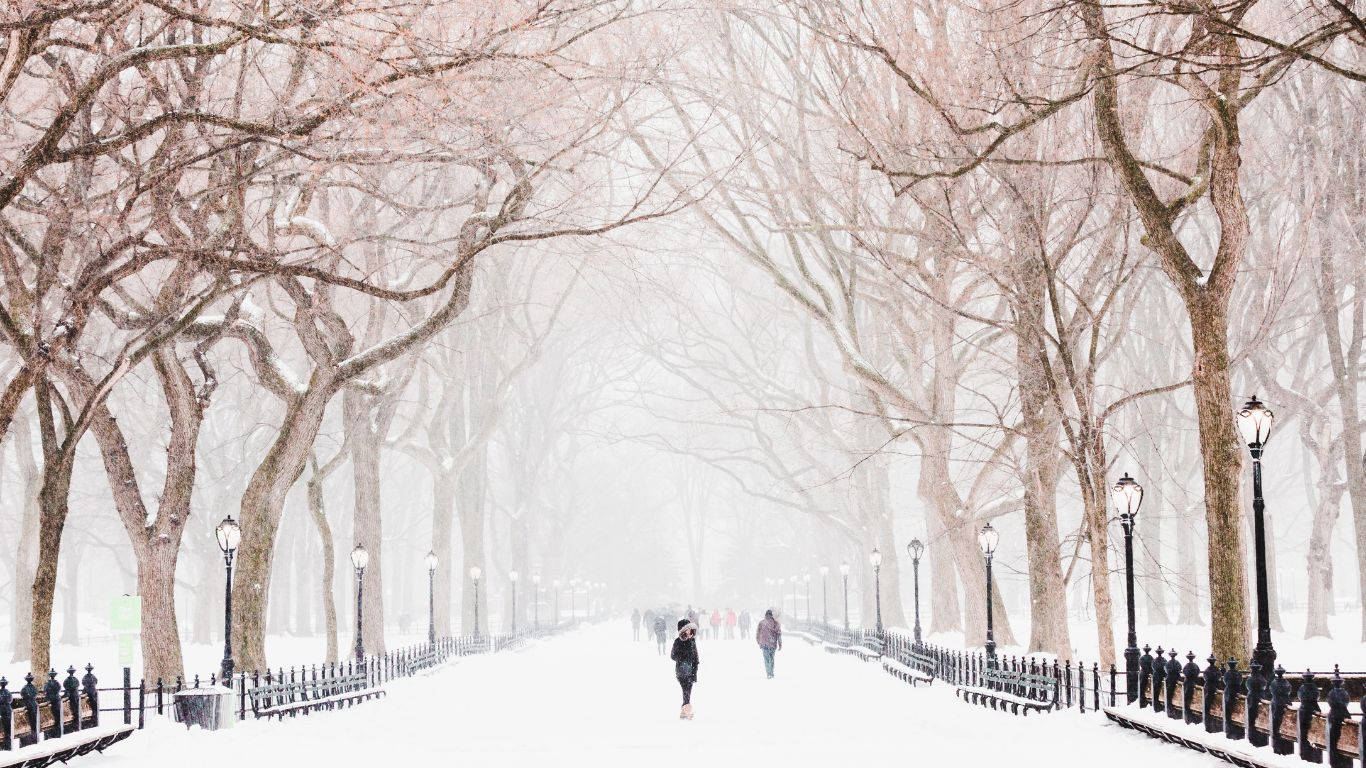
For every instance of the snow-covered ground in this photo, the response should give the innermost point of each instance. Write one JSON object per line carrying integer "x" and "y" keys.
{"x": 595, "y": 698}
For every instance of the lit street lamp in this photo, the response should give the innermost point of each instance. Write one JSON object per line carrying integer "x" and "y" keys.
{"x": 844, "y": 573}
{"x": 825, "y": 597}
{"x": 1254, "y": 421}
{"x": 1128, "y": 497}
{"x": 229, "y": 535}
{"x": 474, "y": 575}
{"x": 915, "y": 549}
{"x": 876, "y": 559}
{"x": 431, "y": 599}
{"x": 359, "y": 559}
{"x": 513, "y": 578}
{"x": 987, "y": 539}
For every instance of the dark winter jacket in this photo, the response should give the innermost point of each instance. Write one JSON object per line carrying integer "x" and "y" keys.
{"x": 661, "y": 626}
{"x": 769, "y": 634}
{"x": 684, "y": 655}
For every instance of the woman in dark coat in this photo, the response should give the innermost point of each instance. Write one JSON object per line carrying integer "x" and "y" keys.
{"x": 684, "y": 655}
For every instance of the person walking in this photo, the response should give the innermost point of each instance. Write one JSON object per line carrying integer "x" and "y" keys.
{"x": 769, "y": 635}
{"x": 744, "y": 622}
{"x": 716, "y": 623}
{"x": 647, "y": 622}
{"x": 635, "y": 623}
{"x": 684, "y": 655}
{"x": 661, "y": 630}
{"x": 730, "y": 623}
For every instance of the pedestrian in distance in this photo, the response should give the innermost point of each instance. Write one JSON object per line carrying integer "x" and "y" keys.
{"x": 684, "y": 655}
{"x": 635, "y": 623}
{"x": 661, "y": 632}
{"x": 769, "y": 635}
{"x": 647, "y": 623}
{"x": 744, "y": 623}
{"x": 716, "y": 623}
{"x": 730, "y": 623}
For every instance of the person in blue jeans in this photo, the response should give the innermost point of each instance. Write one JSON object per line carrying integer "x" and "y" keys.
{"x": 769, "y": 635}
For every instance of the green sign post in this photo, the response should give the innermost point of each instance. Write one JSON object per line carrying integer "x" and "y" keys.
{"x": 125, "y": 621}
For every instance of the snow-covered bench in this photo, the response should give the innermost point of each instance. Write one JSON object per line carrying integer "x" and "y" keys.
{"x": 1017, "y": 692}
{"x": 910, "y": 667}
{"x": 41, "y": 727}
{"x": 277, "y": 699}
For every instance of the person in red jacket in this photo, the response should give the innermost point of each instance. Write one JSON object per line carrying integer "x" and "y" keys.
{"x": 716, "y": 623}
{"x": 731, "y": 618}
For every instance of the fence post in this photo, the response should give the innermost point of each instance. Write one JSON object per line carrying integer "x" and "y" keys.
{"x": 1067, "y": 670}
{"x": 92, "y": 694}
{"x": 1159, "y": 674}
{"x": 1280, "y": 702}
{"x": 1256, "y": 684}
{"x": 6, "y": 716}
{"x": 1190, "y": 679}
{"x": 1309, "y": 706}
{"x": 1173, "y": 677}
{"x": 1095, "y": 686}
{"x": 1145, "y": 675}
{"x": 1337, "y": 715}
{"x": 1232, "y": 683}
{"x": 29, "y": 693}
{"x": 72, "y": 688}
{"x": 1213, "y": 723}
{"x": 1081, "y": 686}
{"x": 52, "y": 693}
{"x": 1114, "y": 675}
{"x": 242, "y": 699}
{"x": 142, "y": 704}
{"x": 128, "y": 696}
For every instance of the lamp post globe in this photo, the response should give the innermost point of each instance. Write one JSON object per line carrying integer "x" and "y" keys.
{"x": 844, "y": 574}
{"x": 1254, "y": 422}
{"x": 431, "y": 598}
{"x": 1127, "y": 496}
{"x": 229, "y": 535}
{"x": 475, "y": 573}
{"x": 359, "y": 559}
{"x": 915, "y": 548}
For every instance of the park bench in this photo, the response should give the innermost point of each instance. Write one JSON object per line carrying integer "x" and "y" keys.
{"x": 41, "y": 727}
{"x": 1318, "y": 718}
{"x": 910, "y": 666}
{"x": 295, "y": 697}
{"x": 1017, "y": 691}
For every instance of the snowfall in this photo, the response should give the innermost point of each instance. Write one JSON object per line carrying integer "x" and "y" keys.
{"x": 594, "y": 697}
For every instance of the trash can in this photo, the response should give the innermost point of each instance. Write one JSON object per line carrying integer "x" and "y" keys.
{"x": 208, "y": 708}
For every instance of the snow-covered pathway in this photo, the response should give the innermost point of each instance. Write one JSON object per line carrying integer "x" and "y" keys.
{"x": 595, "y": 698}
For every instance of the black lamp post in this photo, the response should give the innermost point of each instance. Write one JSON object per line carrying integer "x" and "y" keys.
{"x": 914, "y": 549}
{"x": 825, "y": 597}
{"x": 512, "y": 577}
{"x": 536, "y": 601}
{"x": 229, "y": 535}
{"x": 475, "y": 572}
{"x": 431, "y": 599}
{"x": 359, "y": 559}
{"x": 1128, "y": 496}
{"x": 987, "y": 540}
{"x": 876, "y": 559}
{"x": 844, "y": 573}
{"x": 1254, "y": 421}
{"x": 556, "y": 584}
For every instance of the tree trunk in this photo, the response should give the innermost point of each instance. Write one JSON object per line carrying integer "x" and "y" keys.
{"x": 53, "y": 505}
{"x": 443, "y": 514}
{"x": 367, "y": 520}
{"x": 71, "y": 591}
{"x": 262, "y": 504}
{"x": 1229, "y": 621}
{"x": 160, "y": 634}
{"x": 1148, "y": 541}
{"x": 471, "y": 512}
{"x": 327, "y": 588}
{"x": 26, "y": 548}
{"x": 1319, "y": 558}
